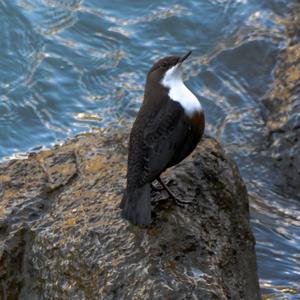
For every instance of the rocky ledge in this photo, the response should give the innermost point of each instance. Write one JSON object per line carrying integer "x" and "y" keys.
{"x": 283, "y": 108}
{"x": 62, "y": 236}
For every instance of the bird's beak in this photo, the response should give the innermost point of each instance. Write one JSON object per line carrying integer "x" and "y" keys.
{"x": 184, "y": 57}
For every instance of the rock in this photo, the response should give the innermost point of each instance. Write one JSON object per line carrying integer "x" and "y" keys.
{"x": 62, "y": 236}
{"x": 283, "y": 109}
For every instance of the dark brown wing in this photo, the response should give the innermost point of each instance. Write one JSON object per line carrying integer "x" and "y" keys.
{"x": 153, "y": 145}
{"x": 196, "y": 129}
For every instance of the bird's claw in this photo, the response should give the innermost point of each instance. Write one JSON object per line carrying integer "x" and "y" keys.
{"x": 178, "y": 202}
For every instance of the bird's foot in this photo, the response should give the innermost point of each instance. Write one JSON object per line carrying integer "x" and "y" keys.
{"x": 156, "y": 188}
{"x": 182, "y": 202}
{"x": 179, "y": 202}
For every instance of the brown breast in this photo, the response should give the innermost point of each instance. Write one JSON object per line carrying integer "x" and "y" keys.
{"x": 198, "y": 121}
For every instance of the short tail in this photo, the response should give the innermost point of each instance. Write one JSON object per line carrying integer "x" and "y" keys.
{"x": 136, "y": 206}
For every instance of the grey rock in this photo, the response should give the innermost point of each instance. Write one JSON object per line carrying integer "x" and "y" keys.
{"x": 283, "y": 109}
{"x": 62, "y": 237}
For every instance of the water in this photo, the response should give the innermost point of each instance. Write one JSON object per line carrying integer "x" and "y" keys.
{"x": 69, "y": 66}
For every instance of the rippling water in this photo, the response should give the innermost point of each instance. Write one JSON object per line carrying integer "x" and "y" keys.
{"x": 69, "y": 66}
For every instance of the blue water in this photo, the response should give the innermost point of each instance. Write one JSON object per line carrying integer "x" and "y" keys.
{"x": 69, "y": 66}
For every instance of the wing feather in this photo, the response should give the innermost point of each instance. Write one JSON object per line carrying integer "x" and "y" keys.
{"x": 161, "y": 139}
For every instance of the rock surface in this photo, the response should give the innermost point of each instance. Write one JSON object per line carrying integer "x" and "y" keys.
{"x": 62, "y": 236}
{"x": 283, "y": 105}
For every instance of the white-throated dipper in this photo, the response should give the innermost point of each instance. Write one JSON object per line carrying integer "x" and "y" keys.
{"x": 167, "y": 129}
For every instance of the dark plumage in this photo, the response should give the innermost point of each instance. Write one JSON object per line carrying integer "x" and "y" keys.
{"x": 162, "y": 135}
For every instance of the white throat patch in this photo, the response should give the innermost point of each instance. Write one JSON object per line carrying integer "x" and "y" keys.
{"x": 179, "y": 92}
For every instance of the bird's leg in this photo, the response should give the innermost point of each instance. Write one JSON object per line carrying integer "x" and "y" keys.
{"x": 178, "y": 201}
{"x": 156, "y": 188}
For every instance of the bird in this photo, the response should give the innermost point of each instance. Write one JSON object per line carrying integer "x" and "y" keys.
{"x": 168, "y": 127}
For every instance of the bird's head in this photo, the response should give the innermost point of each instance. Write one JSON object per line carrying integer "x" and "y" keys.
{"x": 167, "y": 69}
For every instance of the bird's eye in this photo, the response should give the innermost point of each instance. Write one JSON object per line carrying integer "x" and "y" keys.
{"x": 164, "y": 65}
